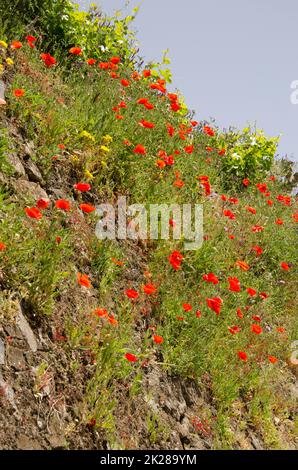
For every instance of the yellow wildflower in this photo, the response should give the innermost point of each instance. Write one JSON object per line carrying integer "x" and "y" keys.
{"x": 89, "y": 175}
{"x": 1, "y": 69}
{"x": 9, "y": 61}
{"x": 104, "y": 148}
{"x": 87, "y": 135}
{"x": 4, "y": 44}
{"x": 107, "y": 138}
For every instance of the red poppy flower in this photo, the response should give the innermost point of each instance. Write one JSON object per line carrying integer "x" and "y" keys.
{"x": 258, "y": 250}
{"x": 242, "y": 355}
{"x": 58, "y": 240}
{"x": 104, "y": 65}
{"x": 112, "y": 320}
{"x": 132, "y": 294}
{"x": 279, "y": 222}
{"x": 262, "y": 187}
{"x": 209, "y": 131}
{"x": 257, "y": 329}
{"x": 285, "y": 266}
{"x": 230, "y": 215}
{"x": 251, "y": 210}
{"x": 215, "y": 304}
{"x": 234, "y": 284}
{"x": 263, "y": 295}
{"x": 100, "y": 312}
{"x": 115, "y": 60}
{"x": 257, "y": 228}
{"x": 251, "y": 291}
{"x": 146, "y": 73}
{"x": 61, "y": 146}
{"x": 83, "y": 280}
{"x": 146, "y": 124}
{"x": 16, "y": 45}
{"x": 75, "y": 50}
{"x": 175, "y": 259}
{"x": 31, "y": 38}
{"x": 161, "y": 164}
{"x": 178, "y": 183}
{"x": 63, "y": 205}
{"x": 43, "y": 203}
{"x": 171, "y": 130}
{"x": 245, "y": 182}
{"x": 189, "y": 149}
{"x": 19, "y": 92}
{"x": 272, "y": 359}
{"x": 125, "y": 82}
{"x": 48, "y": 60}
{"x": 149, "y": 289}
{"x": 243, "y": 265}
{"x": 257, "y": 318}
{"x": 175, "y": 106}
{"x": 187, "y": 307}
{"x": 234, "y": 330}
{"x": 87, "y": 208}
{"x": 211, "y": 278}
{"x": 239, "y": 313}
{"x": 91, "y": 61}
{"x": 158, "y": 339}
{"x": 2, "y": 246}
{"x": 33, "y": 213}
{"x": 149, "y": 106}
{"x": 173, "y": 96}
{"x": 83, "y": 187}
{"x": 140, "y": 149}
{"x": 233, "y": 200}
{"x": 280, "y": 330}
{"x": 131, "y": 357}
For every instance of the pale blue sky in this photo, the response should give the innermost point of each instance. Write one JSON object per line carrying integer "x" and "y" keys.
{"x": 233, "y": 60}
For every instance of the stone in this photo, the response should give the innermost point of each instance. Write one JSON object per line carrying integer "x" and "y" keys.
{"x": 257, "y": 445}
{"x": 25, "y": 443}
{"x": 29, "y": 149}
{"x": 16, "y": 165}
{"x": 2, "y": 93}
{"x": 2, "y": 352}
{"x": 7, "y": 392}
{"x": 55, "y": 436}
{"x": 59, "y": 193}
{"x": 15, "y": 358}
{"x": 33, "y": 172}
{"x": 29, "y": 188}
{"x": 28, "y": 334}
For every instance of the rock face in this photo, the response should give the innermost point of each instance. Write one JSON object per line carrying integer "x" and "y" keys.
{"x": 27, "y": 332}
{"x": 17, "y": 166}
{"x": 33, "y": 172}
{"x": 2, "y": 93}
{"x": 2, "y": 352}
{"x": 29, "y": 188}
